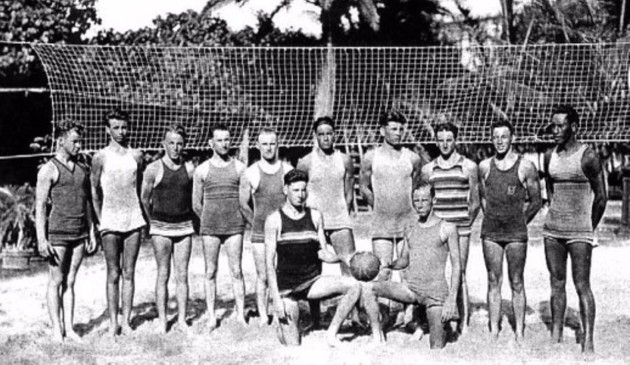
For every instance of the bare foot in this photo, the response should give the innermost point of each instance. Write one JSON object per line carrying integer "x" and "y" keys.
{"x": 378, "y": 338}
{"x": 239, "y": 318}
{"x": 57, "y": 337}
{"x": 212, "y": 324}
{"x": 182, "y": 327}
{"x": 73, "y": 336}
{"x": 125, "y": 329}
{"x": 263, "y": 320}
{"x": 332, "y": 340}
{"x": 114, "y": 330}
{"x": 417, "y": 335}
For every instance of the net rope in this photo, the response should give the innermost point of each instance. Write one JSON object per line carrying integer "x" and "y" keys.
{"x": 286, "y": 88}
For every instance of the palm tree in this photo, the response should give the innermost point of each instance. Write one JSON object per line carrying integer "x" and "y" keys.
{"x": 17, "y": 220}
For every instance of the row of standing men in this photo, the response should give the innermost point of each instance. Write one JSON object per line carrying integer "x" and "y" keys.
{"x": 227, "y": 196}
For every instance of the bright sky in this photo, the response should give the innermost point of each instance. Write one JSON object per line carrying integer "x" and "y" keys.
{"x": 123, "y": 15}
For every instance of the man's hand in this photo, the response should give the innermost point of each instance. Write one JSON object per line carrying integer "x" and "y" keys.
{"x": 46, "y": 250}
{"x": 449, "y": 310}
{"x": 279, "y": 312}
{"x": 327, "y": 256}
{"x": 92, "y": 243}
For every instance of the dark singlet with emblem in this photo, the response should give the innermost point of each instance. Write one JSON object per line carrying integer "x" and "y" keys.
{"x": 504, "y": 219}
{"x": 297, "y": 249}
{"x": 67, "y": 220}
{"x": 171, "y": 197}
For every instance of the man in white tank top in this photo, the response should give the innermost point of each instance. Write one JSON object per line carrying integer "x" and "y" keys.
{"x": 116, "y": 180}
{"x": 388, "y": 174}
{"x": 577, "y": 192}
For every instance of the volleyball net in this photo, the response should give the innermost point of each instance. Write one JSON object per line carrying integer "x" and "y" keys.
{"x": 286, "y": 88}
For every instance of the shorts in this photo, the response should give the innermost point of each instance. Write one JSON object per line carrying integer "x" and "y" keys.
{"x": 299, "y": 292}
{"x": 221, "y": 237}
{"x": 72, "y": 243}
{"x": 569, "y": 241}
{"x": 165, "y": 229}
{"x": 121, "y": 234}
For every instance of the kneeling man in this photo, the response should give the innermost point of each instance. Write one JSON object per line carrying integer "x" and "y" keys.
{"x": 427, "y": 246}
{"x": 295, "y": 246}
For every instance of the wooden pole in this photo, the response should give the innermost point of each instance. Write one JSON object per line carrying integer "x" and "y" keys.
{"x": 625, "y": 201}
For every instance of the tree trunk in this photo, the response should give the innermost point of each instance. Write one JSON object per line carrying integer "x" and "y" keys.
{"x": 507, "y": 7}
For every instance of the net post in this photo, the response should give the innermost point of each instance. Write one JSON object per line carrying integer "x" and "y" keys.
{"x": 625, "y": 202}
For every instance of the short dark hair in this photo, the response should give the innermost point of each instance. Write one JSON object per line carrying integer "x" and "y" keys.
{"x": 267, "y": 130}
{"x": 117, "y": 114}
{"x": 425, "y": 184}
{"x": 391, "y": 116}
{"x": 502, "y": 123}
{"x": 63, "y": 127}
{"x": 177, "y": 129}
{"x": 323, "y": 120}
{"x": 219, "y": 127}
{"x": 295, "y": 175}
{"x": 447, "y": 127}
{"x": 572, "y": 115}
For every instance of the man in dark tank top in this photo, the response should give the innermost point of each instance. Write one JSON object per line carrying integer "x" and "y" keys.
{"x": 295, "y": 246}
{"x": 167, "y": 197}
{"x": 66, "y": 233}
{"x": 428, "y": 244}
{"x": 510, "y": 197}
{"x": 575, "y": 183}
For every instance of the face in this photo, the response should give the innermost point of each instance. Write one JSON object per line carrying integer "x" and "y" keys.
{"x": 221, "y": 142}
{"x": 173, "y": 145}
{"x": 71, "y": 143}
{"x": 501, "y": 139}
{"x": 296, "y": 193}
{"x": 423, "y": 201}
{"x": 562, "y": 129}
{"x": 446, "y": 143}
{"x": 325, "y": 135}
{"x": 268, "y": 146}
{"x": 118, "y": 130}
{"x": 393, "y": 133}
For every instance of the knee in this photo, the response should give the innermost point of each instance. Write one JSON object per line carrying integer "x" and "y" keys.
{"x": 113, "y": 275}
{"x": 558, "y": 284}
{"x": 211, "y": 273}
{"x": 128, "y": 274}
{"x": 517, "y": 285}
{"x": 583, "y": 287}
{"x": 55, "y": 282}
{"x": 237, "y": 273}
{"x": 495, "y": 280}
{"x": 181, "y": 278}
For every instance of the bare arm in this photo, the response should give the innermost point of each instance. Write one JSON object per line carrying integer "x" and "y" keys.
{"x": 95, "y": 182}
{"x": 473, "y": 183}
{"x": 304, "y": 164}
{"x": 348, "y": 183}
{"x": 148, "y": 182}
{"x": 532, "y": 184}
{"x": 452, "y": 240}
{"x": 245, "y": 197}
{"x": 272, "y": 228}
{"x": 324, "y": 253}
{"x": 197, "y": 194}
{"x": 137, "y": 155}
{"x": 365, "y": 178}
{"x": 92, "y": 243}
{"x": 592, "y": 168}
{"x": 45, "y": 180}
{"x": 425, "y": 173}
{"x": 547, "y": 177}
{"x": 484, "y": 168}
{"x": 403, "y": 260}
{"x": 417, "y": 169}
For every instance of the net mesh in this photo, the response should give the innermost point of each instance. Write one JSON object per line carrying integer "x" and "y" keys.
{"x": 285, "y": 88}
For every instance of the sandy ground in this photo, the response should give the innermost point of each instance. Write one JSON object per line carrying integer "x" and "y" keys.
{"x": 25, "y": 329}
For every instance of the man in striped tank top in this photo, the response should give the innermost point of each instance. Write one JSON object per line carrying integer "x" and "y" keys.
{"x": 215, "y": 200}
{"x": 116, "y": 181}
{"x": 456, "y": 183}
{"x": 66, "y": 233}
{"x": 295, "y": 246}
{"x": 387, "y": 176}
{"x": 577, "y": 191}
{"x": 261, "y": 189}
{"x": 510, "y": 197}
{"x": 166, "y": 195}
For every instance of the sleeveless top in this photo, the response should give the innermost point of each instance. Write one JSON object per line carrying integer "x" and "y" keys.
{"x": 427, "y": 261}
{"x": 569, "y": 215}
{"x": 67, "y": 220}
{"x": 326, "y": 190}
{"x": 504, "y": 218}
{"x": 268, "y": 197}
{"x": 392, "y": 184}
{"x": 121, "y": 210}
{"x": 296, "y": 249}
{"x": 452, "y": 189}
{"x": 221, "y": 213}
{"x": 171, "y": 199}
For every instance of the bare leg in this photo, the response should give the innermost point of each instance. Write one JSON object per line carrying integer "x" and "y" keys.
{"x": 384, "y": 250}
{"x": 261, "y": 282}
{"x": 56, "y": 277}
{"x": 385, "y": 289}
{"x": 288, "y": 331}
{"x": 181, "y": 259}
{"x": 581, "y": 253}
{"x": 368, "y": 300}
{"x": 493, "y": 257}
{"x": 162, "y": 248}
{"x": 234, "y": 247}
{"x": 462, "y": 297}
{"x": 556, "y": 256}
{"x": 437, "y": 335}
{"x": 112, "y": 243}
{"x": 516, "y": 254}
{"x": 211, "y": 247}
{"x": 68, "y": 290}
{"x": 327, "y": 286}
{"x": 342, "y": 241}
{"x": 130, "y": 256}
